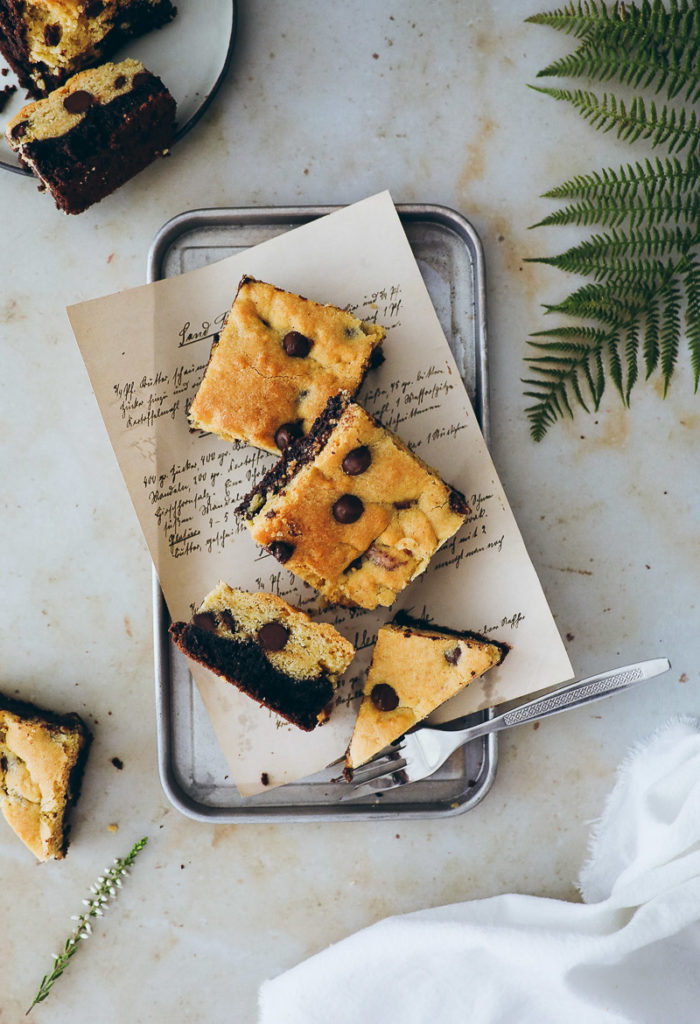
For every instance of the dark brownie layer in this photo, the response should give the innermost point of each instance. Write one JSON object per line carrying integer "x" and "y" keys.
{"x": 243, "y": 663}
{"x": 108, "y": 146}
{"x": 298, "y": 454}
{"x": 407, "y": 622}
{"x": 142, "y": 17}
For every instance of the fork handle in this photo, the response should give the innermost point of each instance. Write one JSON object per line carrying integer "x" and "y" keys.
{"x": 584, "y": 691}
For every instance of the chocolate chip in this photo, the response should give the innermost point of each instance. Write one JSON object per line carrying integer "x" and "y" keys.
{"x": 384, "y": 697}
{"x": 296, "y": 344}
{"x": 205, "y": 621}
{"x": 52, "y": 34}
{"x": 273, "y": 636}
{"x": 347, "y": 509}
{"x": 404, "y": 504}
{"x": 357, "y": 461}
{"x": 281, "y": 550}
{"x": 287, "y": 433}
{"x": 78, "y": 102}
{"x": 19, "y": 129}
{"x": 458, "y": 503}
{"x": 120, "y": 81}
{"x": 454, "y": 655}
{"x": 228, "y": 620}
{"x": 142, "y": 78}
{"x": 264, "y": 778}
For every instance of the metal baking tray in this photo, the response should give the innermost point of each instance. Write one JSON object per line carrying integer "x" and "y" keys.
{"x": 193, "y": 771}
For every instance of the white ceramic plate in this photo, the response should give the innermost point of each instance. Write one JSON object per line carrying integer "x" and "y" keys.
{"x": 191, "y": 55}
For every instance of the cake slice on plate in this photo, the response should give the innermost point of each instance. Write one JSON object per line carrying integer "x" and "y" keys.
{"x": 42, "y": 759}
{"x": 47, "y": 41}
{"x": 415, "y": 668}
{"x": 277, "y": 361}
{"x": 97, "y": 131}
{"x": 268, "y": 649}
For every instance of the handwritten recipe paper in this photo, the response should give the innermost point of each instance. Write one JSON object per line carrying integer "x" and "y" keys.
{"x": 146, "y": 350}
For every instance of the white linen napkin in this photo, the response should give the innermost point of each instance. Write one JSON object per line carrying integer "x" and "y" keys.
{"x": 629, "y": 953}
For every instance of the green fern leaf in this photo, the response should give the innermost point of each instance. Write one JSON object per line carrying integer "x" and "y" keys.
{"x": 643, "y": 289}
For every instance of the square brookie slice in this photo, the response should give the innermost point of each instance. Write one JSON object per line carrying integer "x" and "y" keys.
{"x": 277, "y": 361}
{"x": 42, "y": 759}
{"x": 47, "y": 41}
{"x": 415, "y": 668}
{"x": 351, "y": 510}
{"x": 269, "y": 650}
{"x": 98, "y": 130}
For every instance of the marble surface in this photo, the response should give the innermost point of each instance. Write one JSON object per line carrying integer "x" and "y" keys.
{"x": 323, "y": 104}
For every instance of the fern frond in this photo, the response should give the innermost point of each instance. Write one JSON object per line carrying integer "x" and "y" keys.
{"x": 575, "y": 19}
{"x": 670, "y": 331}
{"x": 649, "y": 65}
{"x": 643, "y": 177}
{"x": 602, "y": 251}
{"x": 691, "y": 281}
{"x": 650, "y": 346}
{"x": 663, "y": 126}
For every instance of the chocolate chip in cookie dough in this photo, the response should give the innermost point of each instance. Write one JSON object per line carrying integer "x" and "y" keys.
{"x": 19, "y": 129}
{"x": 296, "y": 344}
{"x": 287, "y": 433}
{"x": 205, "y": 620}
{"x": 280, "y": 550}
{"x": 384, "y": 697}
{"x": 357, "y": 461}
{"x": 228, "y": 620}
{"x": 347, "y": 509}
{"x": 79, "y": 101}
{"x": 273, "y": 636}
{"x": 52, "y": 34}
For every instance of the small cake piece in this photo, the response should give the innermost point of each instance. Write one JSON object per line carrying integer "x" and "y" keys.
{"x": 269, "y": 650}
{"x": 278, "y": 360}
{"x": 351, "y": 510}
{"x": 415, "y": 668}
{"x": 42, "y": 759}
{"x": 47, "y": 41}
{"x": 94, "y": 133}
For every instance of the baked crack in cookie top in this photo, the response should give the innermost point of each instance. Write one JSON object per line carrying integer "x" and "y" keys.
{"x": 278, "y": 360}
{"x": 351, "y": 510}
{"x": 415, "y": 668}
{"x": 47, "y": 41}
{"x": 270, "y": 650}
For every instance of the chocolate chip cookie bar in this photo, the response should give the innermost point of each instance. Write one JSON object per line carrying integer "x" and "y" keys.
{"x": 351, "y": 510}
{"x": 415, "y": 668}
{"x": 42, "y": 759}
{"x": 277, "y": 361}
{"x": 47, "y": 41}
{"x": 269, "y": 650}
{"x": 98, "y": 130}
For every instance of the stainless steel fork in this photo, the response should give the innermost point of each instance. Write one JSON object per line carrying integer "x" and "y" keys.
{"x": 420, "y": 753}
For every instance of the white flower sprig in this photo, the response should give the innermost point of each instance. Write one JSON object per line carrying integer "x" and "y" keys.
{"x": 104, "y": 890}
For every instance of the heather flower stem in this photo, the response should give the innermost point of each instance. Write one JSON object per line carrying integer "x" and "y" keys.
{"x": 104, "y": 890}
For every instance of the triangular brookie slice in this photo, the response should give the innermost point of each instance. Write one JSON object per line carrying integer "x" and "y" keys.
{"x": 415, "y": 668}
{"x": 42, "y": 758}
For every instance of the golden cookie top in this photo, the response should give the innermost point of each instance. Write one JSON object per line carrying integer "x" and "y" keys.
{"x": 278, "y": 360}
{"x": 352, "y": 510}
{"x": 414, "y": 670}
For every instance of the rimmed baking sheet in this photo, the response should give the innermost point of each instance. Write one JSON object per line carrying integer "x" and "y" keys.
{"x": 194, "y": 773}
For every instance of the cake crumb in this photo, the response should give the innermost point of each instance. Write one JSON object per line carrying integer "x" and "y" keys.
{"x": 113, "y": 827}
{"x": 118, "y": 763}
{"x": 265, "y": 779}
